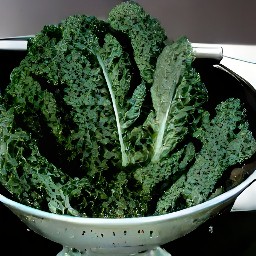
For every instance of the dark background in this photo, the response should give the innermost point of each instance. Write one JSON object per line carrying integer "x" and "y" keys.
{"x": 218, "y": 21}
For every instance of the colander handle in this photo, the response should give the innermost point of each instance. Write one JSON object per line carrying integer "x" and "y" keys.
{"x": 201, "y": 50}
{"x": 204, "y": 51}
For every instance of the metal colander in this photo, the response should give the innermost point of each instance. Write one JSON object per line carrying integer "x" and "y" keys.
{"x": 128, "y": 236}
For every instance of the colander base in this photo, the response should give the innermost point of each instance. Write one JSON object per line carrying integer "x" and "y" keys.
{"x": 158, "y": 251}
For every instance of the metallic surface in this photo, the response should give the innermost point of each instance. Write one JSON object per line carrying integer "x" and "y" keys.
{"x": 124, "y": 236}
{"x": 128, "y": 235}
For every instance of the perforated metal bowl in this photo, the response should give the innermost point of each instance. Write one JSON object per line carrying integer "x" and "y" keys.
{"x": 129, "y": 236}
{"x": 132, "y": 236}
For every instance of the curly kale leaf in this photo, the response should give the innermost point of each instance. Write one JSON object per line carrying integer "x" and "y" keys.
{"x": 166, "y": 170}
{"x": 75, "y": 85}
{"x": 226, "y": 141}
{"x": 145, "y": 32}
{"x": 178, "y": 95}
{"x": 26, "y": 174}
{"x": 73, "y": 92}
{"x": 154, "y": 178}
{"x": 125, "y": 199}
{"x": 113, "y": 62}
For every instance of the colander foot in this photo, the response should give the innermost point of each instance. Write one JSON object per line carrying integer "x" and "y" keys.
{"x": 66, "y": 251}
{"x": 154, "y": 252}
{"x": 158, "y": 251}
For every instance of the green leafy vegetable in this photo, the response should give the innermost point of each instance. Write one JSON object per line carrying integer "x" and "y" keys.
{"x": 226, "y": 140}
{"x": 145, "y": 32}
{"x": 177, "y": 94}
{"x": 21, "y": 162}
{"x": 106, "y": 119}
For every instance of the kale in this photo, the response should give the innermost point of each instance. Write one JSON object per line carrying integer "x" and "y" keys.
{"x": 145, "y": 32}
{"x": 21, "y": 162}
{"x": 100, "y": 119}
{"x": 226, "y": 141}
{"x": 178, "y": 95}
{"x": 76, "y": 95}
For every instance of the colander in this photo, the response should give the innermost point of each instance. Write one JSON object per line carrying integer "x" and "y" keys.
{"x": 141, "y": 236}
{"x": 116, "y": 237}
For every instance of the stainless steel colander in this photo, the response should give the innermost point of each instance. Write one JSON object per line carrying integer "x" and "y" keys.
{"x": 142, "y": 236}
{"x": 128, "y": 236}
